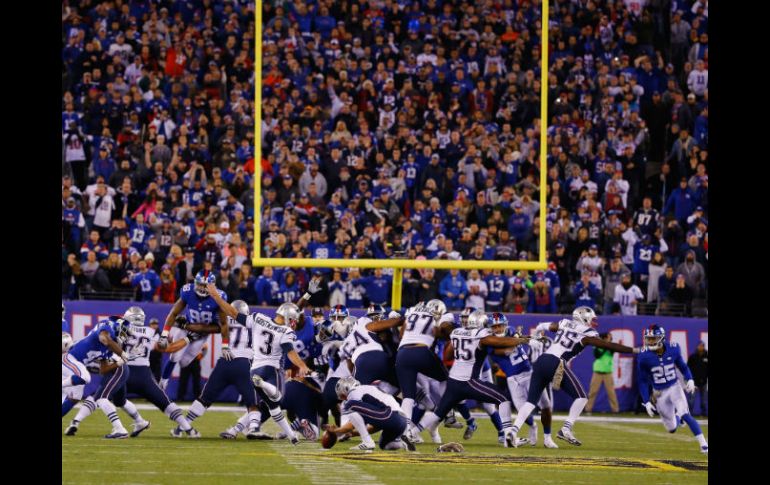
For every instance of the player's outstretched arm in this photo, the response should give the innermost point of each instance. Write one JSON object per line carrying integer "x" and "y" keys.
{"x": 597, "y": 342}
{"x": 227, "y": 308}
{"x": 313, "y": 287}
{"x": 297, "y": 360}
{"x": 503, "y": 342}
{"x": 381, "y": 325}
{"x": 170, "y": 319}
{"x": 550, "y": 326}
{"x": 173, "y": 346}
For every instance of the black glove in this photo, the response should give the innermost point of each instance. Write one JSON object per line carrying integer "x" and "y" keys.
{"x": 181, "y": 322}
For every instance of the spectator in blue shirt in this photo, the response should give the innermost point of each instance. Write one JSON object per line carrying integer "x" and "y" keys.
{"x": 453, "y": 290}
{"x": 586, "y": 293}
{"x": 681, "y": 203}
{"x": 146, "y": 280}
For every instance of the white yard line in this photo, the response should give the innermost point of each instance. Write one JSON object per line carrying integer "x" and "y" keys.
{"x": 662, "y": 434}
{"x": 321, "y": 471}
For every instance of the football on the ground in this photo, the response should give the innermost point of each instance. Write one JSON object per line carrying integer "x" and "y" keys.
{"x": 328, "y": 439}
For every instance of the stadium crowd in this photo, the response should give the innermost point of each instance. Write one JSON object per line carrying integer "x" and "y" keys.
{"x": 389, "y": 129}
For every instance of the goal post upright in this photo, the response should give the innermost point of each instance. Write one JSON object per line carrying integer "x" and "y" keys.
{"x": 398, "y": 265}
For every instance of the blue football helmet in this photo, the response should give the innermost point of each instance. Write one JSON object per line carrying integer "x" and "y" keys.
{"x": 339, "y": 312}
{"x": 375, "y": 312}
{"x": 201, "y": 280}
{"x": 498, "y": 323}
{"x": 654, "y": 337}
{"x": 121, "y": 327}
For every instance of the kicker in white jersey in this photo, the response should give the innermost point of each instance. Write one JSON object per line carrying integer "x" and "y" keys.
{"x": 270, "y": 340}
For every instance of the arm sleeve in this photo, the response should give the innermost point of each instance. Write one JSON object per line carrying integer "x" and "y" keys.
{"x": 681, "y": 365}
{"x": 644, "y": 381}
{"x": 241, "y": 318}
{"x": 287, "y": 346}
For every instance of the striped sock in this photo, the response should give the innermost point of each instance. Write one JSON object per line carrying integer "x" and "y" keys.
{"x": 254, "y": 420}
{"x": 175, "y": 413}
{"x": 195, "y": 411}
{"x": 87, "y": 407}
{"x": 130, "y": 409}
{"x": 277, "y": 415}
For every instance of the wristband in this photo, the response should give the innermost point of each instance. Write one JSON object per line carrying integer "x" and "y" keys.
{"x": 306, "y": 296}
{"x": 225, "y": 345}
{"x": 164, "y": 333}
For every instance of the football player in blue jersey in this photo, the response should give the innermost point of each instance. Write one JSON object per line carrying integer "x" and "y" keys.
{"x": 517, "y": 367}
{"x": 231, "y": 369}
{"x": 104, "y": 344}
{"x": 139, "y": 343}
{"x": 202, "y": 317}
{"x": 657, "y": 368}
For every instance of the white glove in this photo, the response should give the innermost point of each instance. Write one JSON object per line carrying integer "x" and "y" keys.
{"x": 689, "y": 387}
{"x": 394, "y": 314}
{"x": 163, "y": 342}
{"x": 227, "y": 354}
{"x": 650, "y": 409}
{"x": 314, "y": 286}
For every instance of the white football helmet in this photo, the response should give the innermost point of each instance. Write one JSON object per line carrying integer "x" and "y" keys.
{"x": 290, "y": 314}
{"x": 66, "y": 342}
{"x": 135, "y": 316}
{"x": 345, "y": 385}
{"x": 241, "y": 307}
{"x": 343, "y": 328}
{"x": 477, "y": 319}
{"x": 584, "y": 315}
{"x": 436, "y": 307}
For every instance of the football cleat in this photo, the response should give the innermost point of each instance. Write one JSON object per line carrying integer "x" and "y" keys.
{"x": 256, "y": 434}
{"x": 307, "y": 431}
{"x": 177, "y": 432}
{"x": 704, "y": 449}
{"x": 117, "y": 435}
{"x": 472, "y": 427}
{"x": 533, "y": 435}
{"x": 192, "y": 433}
{"x": 548, "y": 442}
{"x": 139, "y": 427}
{"x": 294, "y": 440}
{"x": 257, "y": 380}
{"x": 71, "y": 430}
{"x": 511, "y": 441}
{"x": 227, "y": 435}
{"x": 452, "y": 422}
{"x": 408, "y": 443}
{"x": 566, "y": 435}
{"x": 363, "y": 447}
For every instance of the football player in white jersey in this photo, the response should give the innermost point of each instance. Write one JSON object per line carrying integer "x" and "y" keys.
{"x": 571, "y": 338}
{"x": 368, "y": 410}
{"x": 140, "y": 342}
{"x": 423, "y": 325}
{"x": 232, "y": 369}
{"x": 469, "y": 345}
{"x": 367, "y": 359}
{"x": 270, "y": 339}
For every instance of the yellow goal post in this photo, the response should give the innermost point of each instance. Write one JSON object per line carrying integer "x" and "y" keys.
{"x": 399, "y": 265}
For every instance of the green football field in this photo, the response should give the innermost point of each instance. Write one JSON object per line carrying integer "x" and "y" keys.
{"x": 612, "y": 453}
